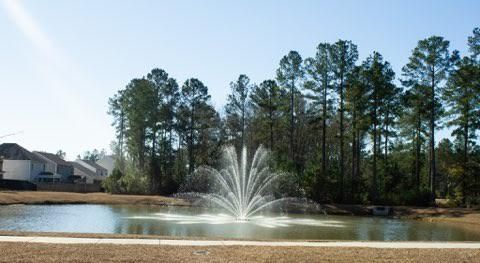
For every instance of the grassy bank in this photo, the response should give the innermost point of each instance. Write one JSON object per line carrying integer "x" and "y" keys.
{"x": 12, "y": 252}
{"x": 33, "y": 197}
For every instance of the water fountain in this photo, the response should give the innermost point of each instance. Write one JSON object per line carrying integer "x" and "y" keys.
{"x": 242, "y": 189}
{"x": 239, "y": 188}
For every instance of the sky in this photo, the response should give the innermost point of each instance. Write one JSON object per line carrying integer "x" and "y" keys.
{"x": 60, "y": 61}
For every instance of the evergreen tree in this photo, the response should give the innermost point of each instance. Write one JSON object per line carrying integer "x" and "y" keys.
{"x": 344, "y": 56}
{"x": 237, "y": 109}
{"x": 378, "y": 76}
{"x": 356, "y": 102}
{"x": 289, "y": 74}
{"x": 462, "y": 95}
{"x": 413, "y": 126}
{"x": 428, "y": 66}
{"x": 267, "y": 101}
{"x": 320, "y": 72}
{"x": 194, "y": 110}
{"x": 474, "y": 44}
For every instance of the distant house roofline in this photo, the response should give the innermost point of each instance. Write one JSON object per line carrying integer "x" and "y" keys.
{"x": 84, "y": 169}
{"x": 94, "y": 165}
{"x": 54, "y": 158}
{"x": 13, "y": 151}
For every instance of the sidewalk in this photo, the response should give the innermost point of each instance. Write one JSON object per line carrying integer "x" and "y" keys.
{"x": 167, "y": 242}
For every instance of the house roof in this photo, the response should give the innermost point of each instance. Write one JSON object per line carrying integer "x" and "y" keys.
{"x": 107, "y": 162}
{"x": 54, "y": 158}
{"x": 13, "y": 151}
{"x": 94, "y": 165}
{"x": 82, "y": 168}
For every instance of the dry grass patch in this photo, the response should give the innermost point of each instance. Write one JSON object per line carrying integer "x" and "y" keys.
{"x": 12, "y": 252}
{"x": 34, "y": 197}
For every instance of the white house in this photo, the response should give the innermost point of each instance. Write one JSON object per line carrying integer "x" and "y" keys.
{"x": 97, "y": 172}
{"x": 57, "y": 166}
{"x": 83, "y": 174}
{"x": 107, "y": 162}
{"x": 20, "y": 164}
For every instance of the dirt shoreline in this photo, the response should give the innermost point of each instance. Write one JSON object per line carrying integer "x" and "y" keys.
{"x": 459, "y": 216}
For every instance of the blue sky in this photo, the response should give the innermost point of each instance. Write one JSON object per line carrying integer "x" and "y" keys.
{"x": 60, "y": 61}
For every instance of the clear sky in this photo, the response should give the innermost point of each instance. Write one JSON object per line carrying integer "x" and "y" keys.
{"x": 60, "y": 60}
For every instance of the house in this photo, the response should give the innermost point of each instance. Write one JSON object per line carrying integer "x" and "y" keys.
{"x": 107, "y": 162}
{"x": 99, "y": 173}
{"x": 1, "y": 167}
{"x": 82, "y": 174}
{"x": 61, "y": 167}
{"x": 20, "y": 164}
{"x": 48, "y": 175}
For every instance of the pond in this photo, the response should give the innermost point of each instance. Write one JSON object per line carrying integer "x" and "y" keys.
{"x": 188, "y": 221}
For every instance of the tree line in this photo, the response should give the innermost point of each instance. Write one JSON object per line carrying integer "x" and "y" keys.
{"x": 345, "y": 130}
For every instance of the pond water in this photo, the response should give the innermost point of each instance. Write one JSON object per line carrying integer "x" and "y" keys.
{"x": 187, "y": 221}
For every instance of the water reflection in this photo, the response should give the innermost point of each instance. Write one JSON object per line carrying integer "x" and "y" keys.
{"x": 154, "y": 220}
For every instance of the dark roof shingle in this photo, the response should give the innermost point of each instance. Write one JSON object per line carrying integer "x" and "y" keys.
{"x": 13, "y": 151}
{"x": 54, "y": 158}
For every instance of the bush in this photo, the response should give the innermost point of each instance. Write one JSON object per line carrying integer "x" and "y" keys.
{"x": 132, "y": 182}
{"x": 112, "y": 184}
{"x": 287, "y": 185}
{"x": 410, "y": 197}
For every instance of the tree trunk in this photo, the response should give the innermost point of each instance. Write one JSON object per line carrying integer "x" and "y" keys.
{"x": 465, "y": 159}
{"x": 342, "y": 192}
{"x": 374, "y": 169}
{"x": 191, "y": 160}
{"x": 243, "y": 126}
{"x": 417, "y": 154}
{"x": 324, "y": 130}
{"x": 359, "y": 150}
{"x": 354, "y": 147}
{"x": 432, "y": 141}
{"x": 271, "y": 131}
{"x": 386, "y": 141}
{"x": 292, "y": 120}
{"x": 120, "y": 141}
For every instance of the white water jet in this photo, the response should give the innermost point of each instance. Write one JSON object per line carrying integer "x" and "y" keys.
{"x": 242, "y": 189}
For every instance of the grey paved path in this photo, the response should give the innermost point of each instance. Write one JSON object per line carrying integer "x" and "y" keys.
{"x": 167, "y": 242}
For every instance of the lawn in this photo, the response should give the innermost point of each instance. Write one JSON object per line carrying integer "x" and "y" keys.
{"x": 12, "y": 252}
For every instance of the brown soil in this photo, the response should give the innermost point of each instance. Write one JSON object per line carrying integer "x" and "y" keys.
{"x": 12, "y": 252}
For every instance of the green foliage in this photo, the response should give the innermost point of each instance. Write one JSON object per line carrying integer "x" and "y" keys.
{"x": 474, "y": 43}
{"x": 237, "y": 111}
{"x": 93, "y": 155}
{"x": 132, "y": 182}
{"x": 341, "y": 131}
{"x": 288, "y": 185}
{"x": 267, "y": 99}
{"x": 113, "y": 182}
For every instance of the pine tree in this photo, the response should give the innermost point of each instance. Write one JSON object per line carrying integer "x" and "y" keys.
{"x": 289, "y": 74}
{"x": 320, "y": 77}
{"x": 462, "y": 94}
{"x": 428, "y": 66}
{"x": 194, "y": 110}
{"x": 267, "y": 101}
{"x": 237, "y": 109}
{"x": 344, "y": 56}
{"x": 378, "y": 76}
